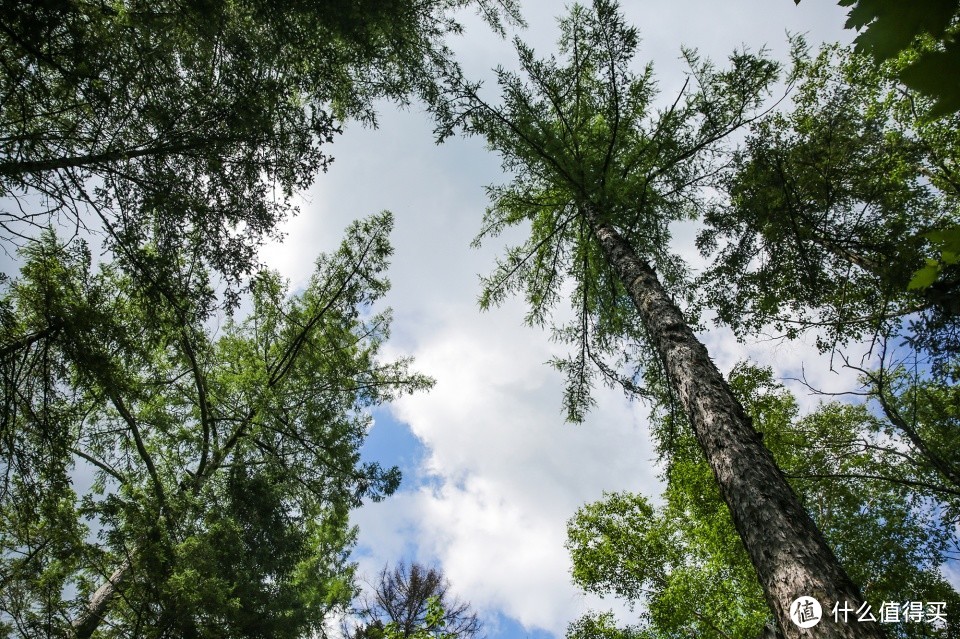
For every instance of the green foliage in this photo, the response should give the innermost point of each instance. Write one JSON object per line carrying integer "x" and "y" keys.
{"x": 683, "y": 562}
{"x": 923, "y": 37}
{"x": 580, "y": 132}
{"x": 432, "y": 625}
{"x": 195, "y": 122}
{"x": 890, "y": 28}
{"x": 432, "y": 628}
{"x": 926, "y": 75}
{"x": 919, "y": 443}
{"x": 832, "y": 208}
{"x": 947, "y": 243}
{"x": 224, "y": 461}
{"x": 602, "y": 626}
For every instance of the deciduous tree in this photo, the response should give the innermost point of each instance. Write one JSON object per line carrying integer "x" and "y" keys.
{"x": 599, "y": 177}
{"x": 684, "y": 565}
{"x": 224, "y": 462}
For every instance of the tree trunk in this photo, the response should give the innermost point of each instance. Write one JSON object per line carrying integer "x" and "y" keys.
{"x": 86, "y": 624}
{"x": 17, "y": 168}
{"x": 790, "y": 555}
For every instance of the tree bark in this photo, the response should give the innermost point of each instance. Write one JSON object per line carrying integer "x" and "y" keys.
{"x": 789, "y": 553}
{"x": 86, "y": 624}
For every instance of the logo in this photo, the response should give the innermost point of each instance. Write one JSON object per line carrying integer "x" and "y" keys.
{"x": 805, "y": 612}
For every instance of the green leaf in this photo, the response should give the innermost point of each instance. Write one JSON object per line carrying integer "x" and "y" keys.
{"x": 925, "y": 276}
{"x": 932, "y": 74}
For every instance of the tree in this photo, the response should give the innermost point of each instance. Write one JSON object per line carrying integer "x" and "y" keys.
{"x": 194, "y": 123}
{"x": 413, "y": 602}
{"x": 225, "y": 461}
{"x": 179, "y": 145}
{"x": 599, "y": 178}
{"x": 602, "y": 626}
{"x": 684, "y": 564}
{"x": 830, "y": 210}
{"x": 910, "y": 421}
{"x": 922, "y": 38}
{"x": 892, "y": 28}
{"x": 432, "y": 627}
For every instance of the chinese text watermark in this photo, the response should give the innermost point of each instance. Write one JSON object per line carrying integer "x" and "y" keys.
{"x": 806, "y": 612}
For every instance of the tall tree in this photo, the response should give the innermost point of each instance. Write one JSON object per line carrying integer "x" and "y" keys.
{"x": 189, "y": 125}
{"x": 599, "y": 177}
{"x": 923, "y": 32}
{"x": 177, "y": 133}
{"x": 830, "y": 209}
{"x": 224, "y": 462}
{"x": 682, "y": 560}
{"x": 409, "y": 601}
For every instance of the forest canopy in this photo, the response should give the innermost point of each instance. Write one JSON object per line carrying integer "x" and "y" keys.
{"x": 184, "y": 432}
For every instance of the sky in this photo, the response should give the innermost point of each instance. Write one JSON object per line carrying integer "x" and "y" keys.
{"x": 491, "y": 471}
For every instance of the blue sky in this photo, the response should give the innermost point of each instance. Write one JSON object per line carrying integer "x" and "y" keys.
{"x": 491, "y": 472}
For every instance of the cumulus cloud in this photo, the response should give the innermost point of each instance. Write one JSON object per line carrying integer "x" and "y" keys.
{"x": 507, "y": 471}
{"x": 501, "y": 473}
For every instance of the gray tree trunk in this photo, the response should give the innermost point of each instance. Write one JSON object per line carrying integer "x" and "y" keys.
{"x": 86, "y": 624}
{"x": 790, "y": 555}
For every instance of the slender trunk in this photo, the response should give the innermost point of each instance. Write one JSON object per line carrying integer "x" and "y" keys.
{"x": 947, "y": 469}
{"x": 17, "y": 168}
{"x": 788, "y": 552}
{"x": 86, "y": 624}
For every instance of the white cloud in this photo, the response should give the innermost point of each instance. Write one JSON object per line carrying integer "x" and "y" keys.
{"x": 509, "y": 472}
{"x": 506, "y": 472}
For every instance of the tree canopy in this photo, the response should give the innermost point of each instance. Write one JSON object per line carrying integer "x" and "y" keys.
{"x": 224, "y": 463}
{"x": 830, "y": 210}
{"x": 194, "y": 123}
{"x": 585, "y": 129}
{"x": 921, "y": 40}
{"x": 684, "y": 565}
